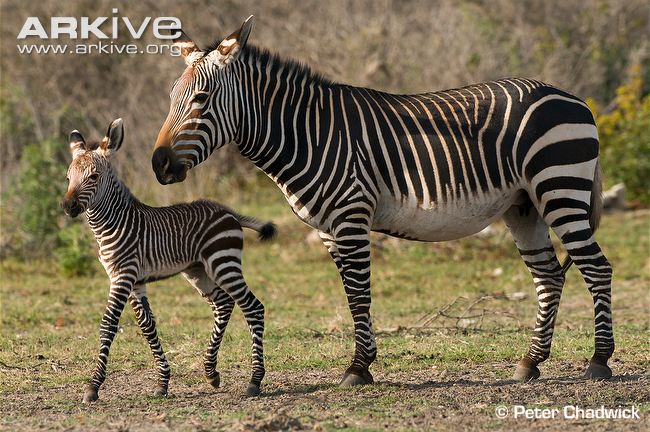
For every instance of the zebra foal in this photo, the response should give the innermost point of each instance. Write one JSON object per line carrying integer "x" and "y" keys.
{"x": 138, "y": 244}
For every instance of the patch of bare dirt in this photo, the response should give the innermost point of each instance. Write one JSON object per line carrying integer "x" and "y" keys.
{"x": 311, "y": 400}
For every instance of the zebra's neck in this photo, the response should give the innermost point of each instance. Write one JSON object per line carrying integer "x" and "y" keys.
{"x": 108, "y": 213}
{"x": 280, "y": 100}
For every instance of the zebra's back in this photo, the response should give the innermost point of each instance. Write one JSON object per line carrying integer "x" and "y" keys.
{"x": 176, "y": 237}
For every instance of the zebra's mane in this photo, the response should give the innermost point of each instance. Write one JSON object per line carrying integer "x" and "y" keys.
{"x": 268, "y": 58}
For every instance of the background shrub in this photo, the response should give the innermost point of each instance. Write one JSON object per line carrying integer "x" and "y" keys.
{"x": 587, "y": 48}
{"x": 33, "y": 198}
{"x": 33, "y": 222}
{"x": 624, "y": 132}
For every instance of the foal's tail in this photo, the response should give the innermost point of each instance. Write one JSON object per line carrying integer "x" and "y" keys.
{"x": 266, "y": 230}
{"x": 595, "y": 209}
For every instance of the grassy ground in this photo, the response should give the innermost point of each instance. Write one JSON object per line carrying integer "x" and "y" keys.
{"x": 450, "y": 374}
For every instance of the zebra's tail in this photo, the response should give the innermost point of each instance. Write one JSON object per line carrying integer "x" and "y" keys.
{"x": 595, "y": 208}
{"x": 266, "y": 230}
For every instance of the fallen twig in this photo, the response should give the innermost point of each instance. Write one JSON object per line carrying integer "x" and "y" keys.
{"x": 469, "y": 314}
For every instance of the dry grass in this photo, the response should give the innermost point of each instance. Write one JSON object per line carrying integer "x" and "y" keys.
{"x": 442, "y": 376}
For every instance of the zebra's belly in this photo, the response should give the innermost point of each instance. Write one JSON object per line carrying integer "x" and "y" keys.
{"x": 448, "y": 221}
{"x": 151, "y": 272}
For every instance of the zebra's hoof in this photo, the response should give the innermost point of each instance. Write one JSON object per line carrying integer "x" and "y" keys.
{"x": 352, "y": 379}
{"x": 214, "y": 381}
{"x": 90, "y": 395}
{"x": 597, "y": 371}
{"x": 253, "y": 390}
{"x": 160, "y": 392}
{"x": 525, "y": 373}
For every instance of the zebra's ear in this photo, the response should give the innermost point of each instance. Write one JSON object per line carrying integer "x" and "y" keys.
{"x": 113, "y": 139}
{"x": 187, "y": 48}
{"x": 77, "y": 143}
{"x": 230, "y": 48}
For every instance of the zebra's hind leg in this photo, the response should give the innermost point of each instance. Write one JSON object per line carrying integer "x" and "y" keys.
{"x": 577, "y": 237}
{"x": 226, "y": 272}
{"x": 531, "y": 235}
{"x": 222, "y": 305}
{"x": 147, "y": 322}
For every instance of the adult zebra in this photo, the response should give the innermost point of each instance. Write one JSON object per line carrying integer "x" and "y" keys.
{"x": 430, "y": 167}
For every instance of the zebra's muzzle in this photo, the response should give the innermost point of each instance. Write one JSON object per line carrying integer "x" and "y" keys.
{"x": 167, "y": 168}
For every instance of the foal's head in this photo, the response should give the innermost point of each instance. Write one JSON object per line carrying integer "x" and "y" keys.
{"x": 90, "y": 169}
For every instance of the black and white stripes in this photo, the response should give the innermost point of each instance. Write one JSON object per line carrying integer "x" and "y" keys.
{"x": 140, "y": 244}
{"x": 430, "y": 167}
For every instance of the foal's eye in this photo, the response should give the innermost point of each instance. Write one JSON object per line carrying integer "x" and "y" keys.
{"x": 200, "y": 97}
{"x": 93, "y": 177}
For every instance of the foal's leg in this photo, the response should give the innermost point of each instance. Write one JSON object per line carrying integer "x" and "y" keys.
{"x": 222, "y": 305}
{"x": 117, "y": 296}
{"x": 147, "y": 323}
{"x": 230, "y": 279}
{"x": 234, "y": 285}
{"x": 221, "y": 258}
{"x": 531, "y": 235}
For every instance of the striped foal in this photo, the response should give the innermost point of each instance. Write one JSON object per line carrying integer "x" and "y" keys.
{"x": 431, "y": 167}
{"x": 138, "y": 244}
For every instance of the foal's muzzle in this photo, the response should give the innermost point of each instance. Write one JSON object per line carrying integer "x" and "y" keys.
{"x": 71, "y": 207}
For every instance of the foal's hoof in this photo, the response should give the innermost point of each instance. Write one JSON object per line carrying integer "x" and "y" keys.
{"x": 525, "y": 373}
{"x": 597, "y": 371}
{"x": 352, "y": 379}
{"x": 253, "y": 390}
{"x": 90, "y": 395}
{"x": 214, "y": 381}
{"x": 160, "y": 392}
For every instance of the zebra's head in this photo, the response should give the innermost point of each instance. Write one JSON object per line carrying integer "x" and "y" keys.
{"x": 90, "y": 168}
{"x": 204, "y": 113}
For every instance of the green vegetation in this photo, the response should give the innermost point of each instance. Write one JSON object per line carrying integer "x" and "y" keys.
{"x": 32, "y": 215}
{"x": 75, "y": 255}
{"x": 39, "y": 188}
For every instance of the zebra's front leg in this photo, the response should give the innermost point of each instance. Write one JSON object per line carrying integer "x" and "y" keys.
{"x": 147, "y": 323}
{"x": 117, "y": 297}
{"x": 222, "y": 306}
{"x": 531, "y": 234}
{"x": 350, "y": 250}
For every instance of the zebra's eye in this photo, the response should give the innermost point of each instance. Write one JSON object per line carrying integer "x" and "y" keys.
{"x": 200, "y": 97}
{"x": 93, "y": 177}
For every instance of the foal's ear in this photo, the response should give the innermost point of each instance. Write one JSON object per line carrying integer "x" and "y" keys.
{"x": 77, "y": 143}
{"x": 113, "y": 139}
{"x": 188, "y": 49}
{"x": 230, "y": 48}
